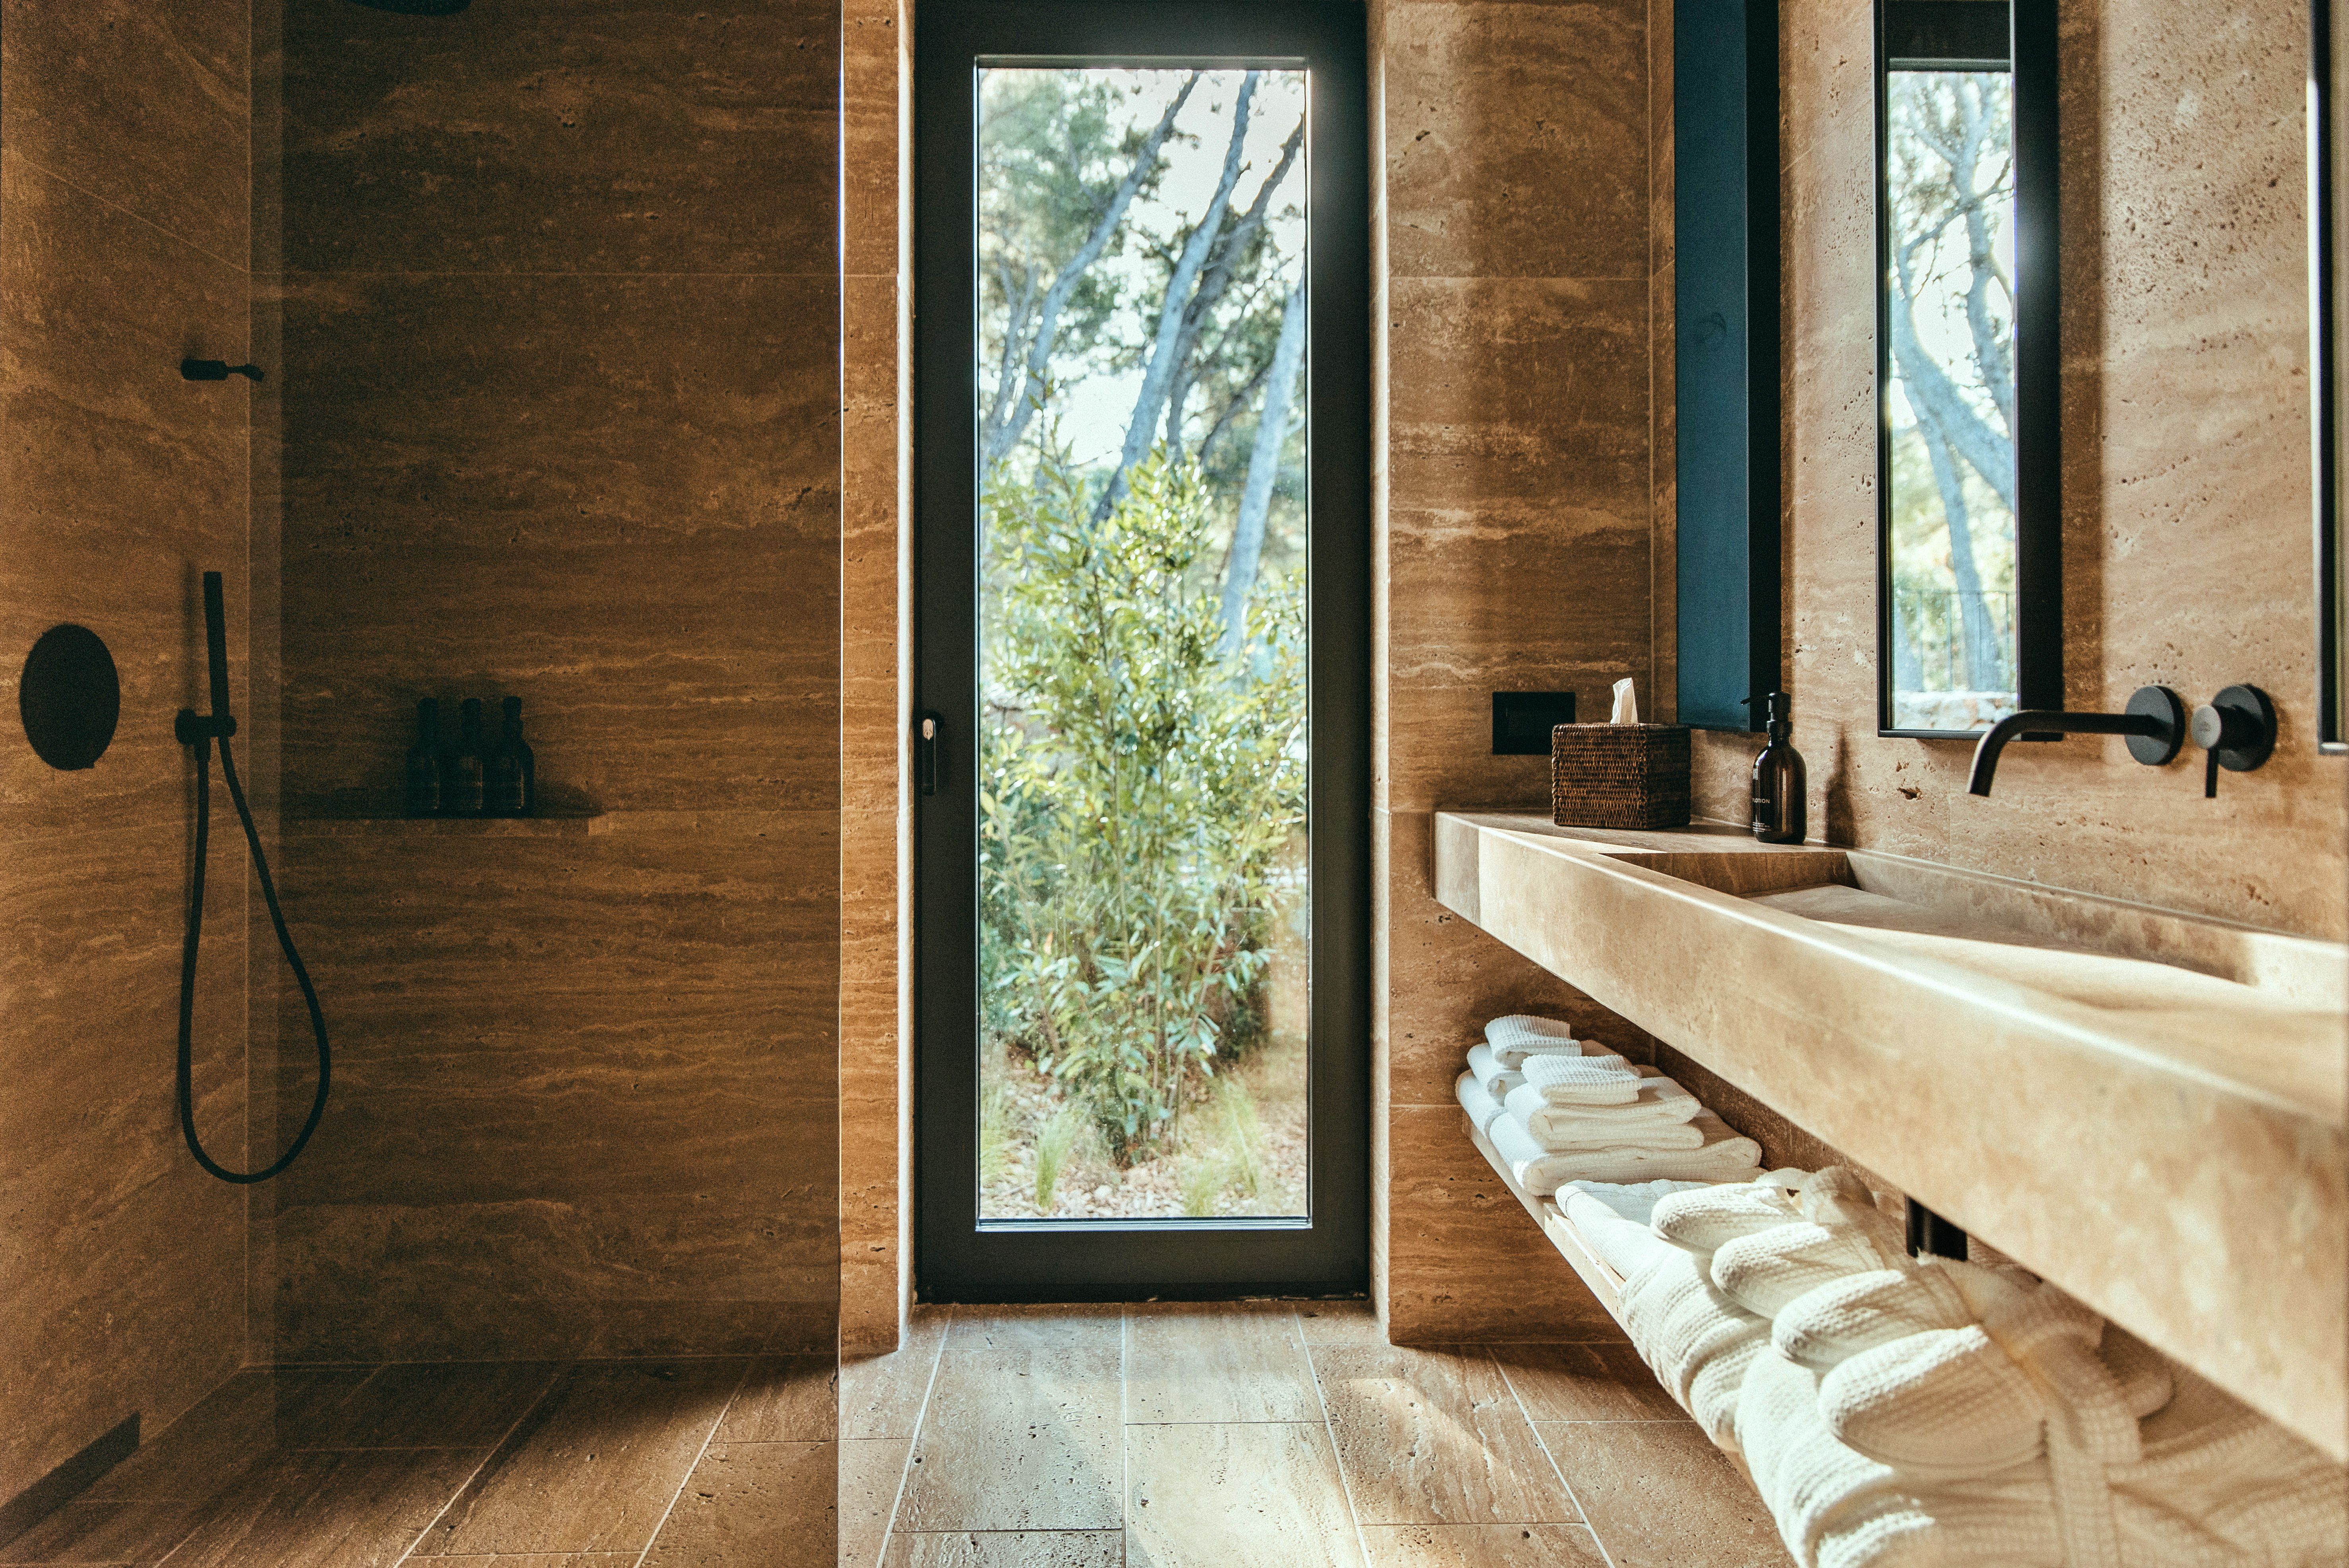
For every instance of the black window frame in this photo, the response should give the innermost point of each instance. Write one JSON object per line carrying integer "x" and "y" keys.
{"x": 956, "y": 1257}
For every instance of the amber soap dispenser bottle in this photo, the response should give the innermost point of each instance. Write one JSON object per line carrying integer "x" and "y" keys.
{"x": 1778, "y": 783}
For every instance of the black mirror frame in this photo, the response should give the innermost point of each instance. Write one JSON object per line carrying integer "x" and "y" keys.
{"x": 2325, "y": 361}
{"x": 2038, "y": 376}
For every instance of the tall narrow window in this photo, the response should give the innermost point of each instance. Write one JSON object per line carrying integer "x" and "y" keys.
{"x": 1144, "y": 887}
{"x": 1949, "y": 315}
{"x": 1138, "y": 381}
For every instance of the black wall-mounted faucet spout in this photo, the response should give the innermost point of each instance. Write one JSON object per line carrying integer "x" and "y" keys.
{"x": 2154, "y": 721}
{"x": 216, "y": 370}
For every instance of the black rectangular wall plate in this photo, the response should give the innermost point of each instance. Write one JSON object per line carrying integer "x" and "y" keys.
{"x": 1522, "y": 720}
{"x": 1726, "y": 356}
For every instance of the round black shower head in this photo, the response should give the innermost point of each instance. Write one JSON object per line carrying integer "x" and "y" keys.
{"x": 416, "y": 8}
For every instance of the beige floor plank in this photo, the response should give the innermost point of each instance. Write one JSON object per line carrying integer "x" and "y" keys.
{"x": 426, "y": 1405}
{"x": 1585, "y": 1383}
{"x": 543, "y": 1560}
{"x": 245, "y": 1417}
{"x": 1254, "y": 1494}
{"x": 1435, "y": 1437}
{"x": 1481, "y": 1546}
{"x": 334, "y": 1508}
{"x": 1660, "y": 1496}
{"x": 134, "y": 1530}
{"x": 1022, "y": 1438}
{"x": 595, "y": 1464}
{"x": 1217, "y": 1361}
{"x": 784, "y": 1399}
{"x": 881, "y": 1396}
{"x": 1352, "y": 1323}
{"x": 1008, "y": 1549}
{"x": 871, "y": 1471}
{"x": 1085, "y": 1326}
{"x": 775, "y": 1505}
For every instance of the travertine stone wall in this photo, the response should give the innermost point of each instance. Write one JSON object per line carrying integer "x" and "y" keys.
{"x": 876, "y": 1067}
{"x": 561, "y": 420}
{"x": 2186, "y": 534}
{"x": 124, "y": 246}
{"x": 1513, "y": 442}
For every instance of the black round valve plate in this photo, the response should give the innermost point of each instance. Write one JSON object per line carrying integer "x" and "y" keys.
{"x": 71, "y": 697}
{"x": 2161, "y": 704}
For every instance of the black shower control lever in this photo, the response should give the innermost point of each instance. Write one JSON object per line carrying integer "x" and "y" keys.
{"x": 2238, "y": 729}
{"x": 216, "y": 370}
{"x": 2154, "y": 721}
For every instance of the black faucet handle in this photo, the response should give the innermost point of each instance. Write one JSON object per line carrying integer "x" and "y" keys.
{"x": 2238, "y": 729}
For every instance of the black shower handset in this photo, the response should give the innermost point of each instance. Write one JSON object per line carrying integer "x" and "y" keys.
{"x": 195, "y": 729}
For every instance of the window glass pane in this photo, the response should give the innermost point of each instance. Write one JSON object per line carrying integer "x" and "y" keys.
{"x": 1144, "y": 892}
{"x": 1949, "y": 206}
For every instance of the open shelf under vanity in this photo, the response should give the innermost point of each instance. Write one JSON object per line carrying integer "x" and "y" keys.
{"x": 2091, "y": 1087}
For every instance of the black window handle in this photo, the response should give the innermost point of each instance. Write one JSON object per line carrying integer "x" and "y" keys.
{"x": 927, "y": 729}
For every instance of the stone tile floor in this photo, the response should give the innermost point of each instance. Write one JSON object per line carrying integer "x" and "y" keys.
{"x": 1285, "y": 1435}
{"x": 686, "y": 1463}
{"x": 1269, "y": 1435}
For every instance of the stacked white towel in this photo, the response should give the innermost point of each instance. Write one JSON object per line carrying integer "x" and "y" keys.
{"x": 1497, "y": 1080}
{"x": 1721, "y": 1155}
{"x": 1558, "y": 1110}
{"x": 1633, "y": 1201}
{"x": 1656, "y": 1117}
{"x": 1521, "y": 1037}
{"x": 1481, "y": 1107}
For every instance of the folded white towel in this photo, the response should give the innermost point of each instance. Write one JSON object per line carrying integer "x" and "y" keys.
{"x": 1633, "y": 1201}
{"x": 1702, "y": 1221}
{"x": 1624, "y": 1246}
{"x": 1588, "y": 1080}
{"x": 1660, "y": 1110}
{"x": 1521, "y": 1035}
{"x": 1497, "y": 1080}
{"x": 1766, "y": 1271}
{"x": 1725, "y": 1156}
{"x": 1859, "y": 1312}
{"x": 1481, "y": 1107}
{"x": 1696, "y": 1339}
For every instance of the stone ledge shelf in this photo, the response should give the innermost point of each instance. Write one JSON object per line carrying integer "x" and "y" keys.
{"x": 2147, "y": 1107}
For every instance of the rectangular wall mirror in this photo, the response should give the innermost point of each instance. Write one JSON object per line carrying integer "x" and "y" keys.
{"x": 2328, "y": 144}
{"x": 1969, "y": 524}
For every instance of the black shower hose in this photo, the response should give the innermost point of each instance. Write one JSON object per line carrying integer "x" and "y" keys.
{"x": 200, "y": 733}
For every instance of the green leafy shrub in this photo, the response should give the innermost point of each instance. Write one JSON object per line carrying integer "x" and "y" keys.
{"x": 1140, "y": 789}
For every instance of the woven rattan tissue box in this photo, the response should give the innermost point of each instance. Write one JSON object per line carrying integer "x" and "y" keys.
{"x": 1619, "y": 775}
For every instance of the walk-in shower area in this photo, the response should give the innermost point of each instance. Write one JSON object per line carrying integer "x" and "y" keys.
{"x": 360, "y": 357}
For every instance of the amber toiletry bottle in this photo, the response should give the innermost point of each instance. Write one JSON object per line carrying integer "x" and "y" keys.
{"x": 1778, "y": 784}
{"x": 461, "y": 785}
{"x": 424, "y": 762}
{"x": 512, "y": 775}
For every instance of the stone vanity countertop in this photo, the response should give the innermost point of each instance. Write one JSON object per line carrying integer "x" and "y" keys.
{"x": 2146, "y": 1107}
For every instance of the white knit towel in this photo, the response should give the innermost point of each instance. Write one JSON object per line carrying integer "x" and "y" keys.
{"x": 1497, "y": 1080}
{"x": 1859, "y": 1312}
{"x": 1695, "y": 1339}
{"x": 1942, "y": 1405}
{"x": 1521, "y": 1035}
{"x": 1588, "y": 1080}
{"x": 1634, "y": 1200}
{"x": 1701, "y": 1221}
{"x": 1765, "y": 1270}
{"x": 1624, "y": 1246}
{"x": 1481, "y": 1107}
{"x": 1726, "y": 1157}
{"x": 1661, "y": 1120}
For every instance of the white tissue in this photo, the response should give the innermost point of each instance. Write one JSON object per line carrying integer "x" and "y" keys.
{"x": 1627, "y": 703}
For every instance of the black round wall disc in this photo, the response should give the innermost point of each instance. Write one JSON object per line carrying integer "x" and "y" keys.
{"x": 69, "y": 697}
